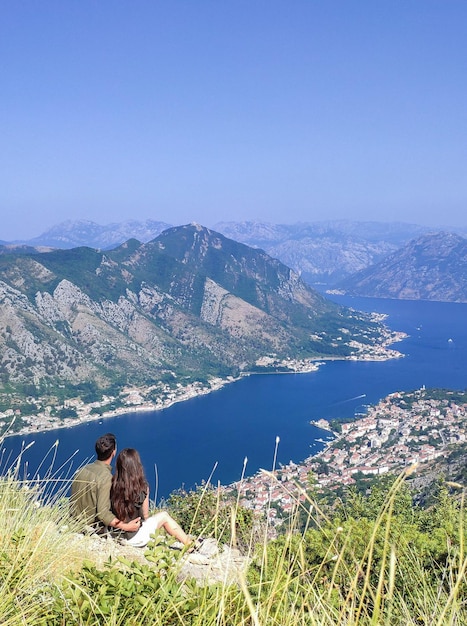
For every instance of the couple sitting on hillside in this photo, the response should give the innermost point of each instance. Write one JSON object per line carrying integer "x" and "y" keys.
{"x": 120, "y": 502}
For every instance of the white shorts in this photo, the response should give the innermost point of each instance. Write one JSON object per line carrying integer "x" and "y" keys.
{"x": 148, "y": 528}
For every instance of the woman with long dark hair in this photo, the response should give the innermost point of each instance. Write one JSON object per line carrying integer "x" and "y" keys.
{"x": 129, "y": 497}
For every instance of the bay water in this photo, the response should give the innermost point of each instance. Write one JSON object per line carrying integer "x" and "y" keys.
{"x": 209, "y": 437}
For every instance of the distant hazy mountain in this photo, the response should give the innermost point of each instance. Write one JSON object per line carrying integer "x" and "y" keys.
{"x": 433, "y": 267}
{"x": 324, "y": 252}
{"x": 9, "y": 248}
{"x": 74, "y": 233}
{"x": 189, "y": 304}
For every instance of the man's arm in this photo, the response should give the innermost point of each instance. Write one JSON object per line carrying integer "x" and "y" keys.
{"x": 104, "y": 512}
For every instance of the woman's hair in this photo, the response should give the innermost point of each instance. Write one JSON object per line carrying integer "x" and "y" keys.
{"x": 128, "y": 483}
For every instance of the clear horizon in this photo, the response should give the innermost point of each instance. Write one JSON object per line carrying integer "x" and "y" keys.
{"x": 207, "y": 112}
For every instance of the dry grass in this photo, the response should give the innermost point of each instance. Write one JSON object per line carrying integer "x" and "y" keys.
{"x": 38, "y": 549}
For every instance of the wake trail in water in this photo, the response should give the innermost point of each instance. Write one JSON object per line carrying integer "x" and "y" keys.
{"x": 362, "y": 395}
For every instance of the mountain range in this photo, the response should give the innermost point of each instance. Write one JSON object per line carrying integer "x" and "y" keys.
{"x": 186, "y": 305}
{"x": 324, "y": 252}
{"x": 321, "y": 252}
{"x": 359, "y": 258}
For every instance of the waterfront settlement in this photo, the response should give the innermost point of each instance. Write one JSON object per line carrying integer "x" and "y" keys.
{"x": 405, "y": 429}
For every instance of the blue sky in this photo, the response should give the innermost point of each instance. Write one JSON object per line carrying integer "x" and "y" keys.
{"x": 207, "y": 111}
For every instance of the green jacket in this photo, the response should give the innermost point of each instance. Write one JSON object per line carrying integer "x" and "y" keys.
{"x": 90, "y": 495}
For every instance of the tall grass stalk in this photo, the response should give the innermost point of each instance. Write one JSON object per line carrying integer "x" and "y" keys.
{"x": 34, "y": 550}
{"x": 205, "y": 488}
{"x": 268, "y": 510}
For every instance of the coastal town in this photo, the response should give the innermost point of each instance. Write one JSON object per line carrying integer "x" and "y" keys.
{"x": 404, "y": 429}
{"x": 42, "y": 414}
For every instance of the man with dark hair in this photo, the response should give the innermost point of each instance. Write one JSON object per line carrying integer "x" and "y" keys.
{"x": 90, "y": 491}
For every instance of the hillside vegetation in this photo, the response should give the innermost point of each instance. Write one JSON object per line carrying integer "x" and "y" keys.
{"x": 375, "y": 559}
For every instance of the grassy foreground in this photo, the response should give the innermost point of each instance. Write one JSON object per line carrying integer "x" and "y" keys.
{"x": 374, "y": 561}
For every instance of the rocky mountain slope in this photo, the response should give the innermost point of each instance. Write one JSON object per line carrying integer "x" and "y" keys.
{"x": 188, "y": 305}
{"x": 433, "y": 267}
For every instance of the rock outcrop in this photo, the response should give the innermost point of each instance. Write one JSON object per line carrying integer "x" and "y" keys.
{"x": 212, "y": 563}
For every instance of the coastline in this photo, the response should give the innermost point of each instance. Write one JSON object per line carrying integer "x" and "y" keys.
{"x": 188, "y": 392}
{"x": 135, "y": 399}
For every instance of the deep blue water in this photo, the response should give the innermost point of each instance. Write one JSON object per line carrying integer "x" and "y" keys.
{"x": 185, "y": 442}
